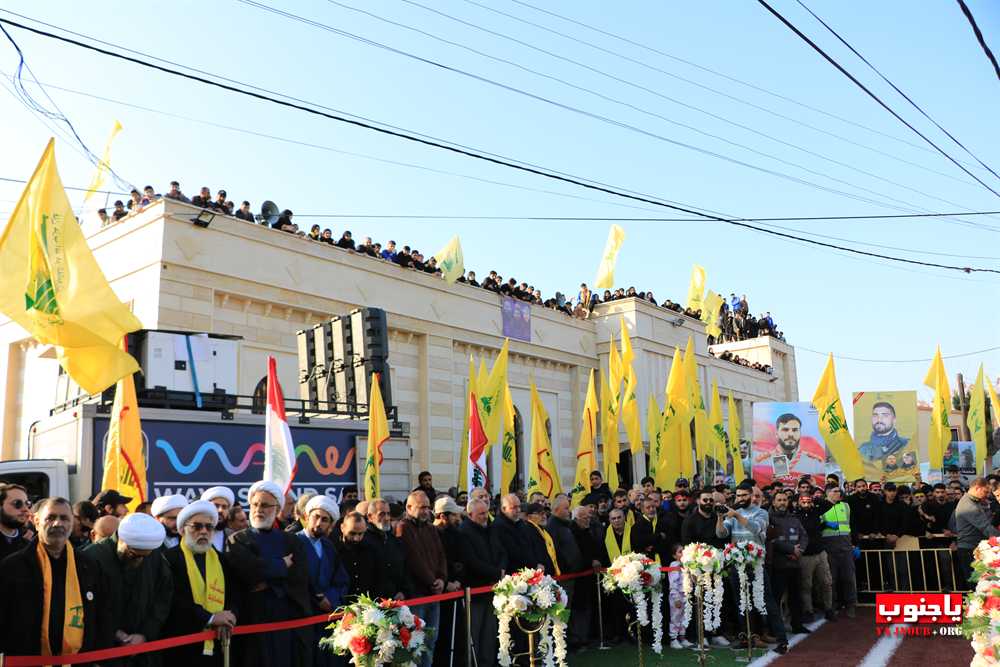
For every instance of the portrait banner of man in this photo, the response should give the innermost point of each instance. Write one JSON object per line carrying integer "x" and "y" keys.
{"x": 885, "y": 427}
{"x": 787, "y": 444}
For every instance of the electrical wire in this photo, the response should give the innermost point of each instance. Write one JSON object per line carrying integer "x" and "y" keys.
{"x": 875, "y": 97}
{"x": 979, "y": 37}
{"x": 494, "y": 160}
{"x": 898, "y": 361}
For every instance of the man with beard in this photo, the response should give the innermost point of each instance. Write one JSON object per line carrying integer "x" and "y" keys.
{"x": 885, "y": 439}
{"x": 358, "y": 556}
{"x": 649, "y": 534}
{"x": 674, "y": 517}
{"x": 165, "y": 509}
{"x": 509, "y": 535}
{"x": 204, "y": 587}
{"x": 865, "y": 510}
{"x": 139, "y": 583}
{"x": 425, "y": 483}
{"x": 328, "y": 580}
{"x": 84, "y": 516}
{"x": 839, "y": 550}
{"x": 425, "y": 559}
{"x": 617, "y": 541}
{"x": 447, "y": 517}
{"x": 51, "y": 576}
{"x": 223, "y": 499}
{"x": 15, "y": 508}
{"x": 389, "y": 551}
{"x": 789, "y": 457}
{"x": 484, "y": 567}
{"x": 788, "y": 542}
{"x": 699, "y": 525}
{"x": 111, "y": 503}
{"x": 813, "y": 564}
{"x": 272, "y": 565}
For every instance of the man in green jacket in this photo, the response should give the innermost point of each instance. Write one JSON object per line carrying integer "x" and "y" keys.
{"x": 839, "y": 550}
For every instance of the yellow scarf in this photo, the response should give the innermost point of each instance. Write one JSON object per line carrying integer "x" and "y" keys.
{"x": 72, "y": 607}
{"x": 611, "y": 544}
{"x": 657, "y": 556}
{"x": 629, "y": 520}
{"x": 210, "y": 596}
{"x": 549, "y": 546}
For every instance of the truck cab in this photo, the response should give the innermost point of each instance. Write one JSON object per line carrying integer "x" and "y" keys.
{"x": 43, "y": 478}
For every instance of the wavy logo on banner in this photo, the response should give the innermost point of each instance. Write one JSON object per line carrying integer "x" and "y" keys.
{"x": 332, "y": 465}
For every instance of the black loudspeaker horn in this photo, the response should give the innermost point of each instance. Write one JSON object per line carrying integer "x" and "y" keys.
{"x": 269, "y": 213}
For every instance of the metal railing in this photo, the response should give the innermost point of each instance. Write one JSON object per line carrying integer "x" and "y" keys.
{"x": 926, "y": 570}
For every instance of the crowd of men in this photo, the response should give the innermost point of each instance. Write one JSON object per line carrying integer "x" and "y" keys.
{"x": 93, "y": 575}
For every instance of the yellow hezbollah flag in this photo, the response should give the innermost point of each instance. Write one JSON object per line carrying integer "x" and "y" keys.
{"x": 696, "y": 289}
{"x": 489, "y": 393}
{"x": 616, "y": 370}
{"x": 542, "y": 474}
{"x": 609, "y": 430}
{"x": 104, "y": 165}
{"x": 606, "y": 270}
{"x": 586, "y": 449}
{"x": 733, "y": 436}
{"x": 717, "y": 449}
{"x": 450, "y": 260}
{"x": 53, "y": 287}
{"x": 630, "y": 398}
{"x": 710, "y": 314}
{"x": 124, "y": 460}
{"x": 378, "y": 433}
{"x": 833, "y": 424}
{"x": 463, "y": 452}
{"x": 696, "y": 402}
{"x": 976, "y": 420}
{"x": 508, "y": 470}
{"x": 675, "y": 434}
{"x": 654, "y": 419}
{"x": 939, "y": 434}
{"x": 994, "y": 402}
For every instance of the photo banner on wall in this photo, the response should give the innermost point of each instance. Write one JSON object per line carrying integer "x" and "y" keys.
{"x": 516, "y": 316}
{"x": 885, "y": 428}
{"x": 787, "y": 444}
{"x": 962, "y": 455}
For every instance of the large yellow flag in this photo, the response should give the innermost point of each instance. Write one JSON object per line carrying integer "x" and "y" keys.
{"x": 654, "y": 421}
{"x": 939, "y": 434}
{"x": 489, "y": 393}
{"x": 606, "y": 270}
{"x": 675, "y": 434}
{"x": 378, "y": 433}
{"x": 710, "y": 314}
{"x": 717, "y": 449}
{"x": 508, "y": 469}
{"x": 630, "y": 397}
{"x": 833, "y": 424}
{"x": 609, "y": 430}
{"x": 696, "y": 289}
{"x": 542, "y": 473}
{"x": 586, "y": 449}
{"x": 976, "y": 421}
{"x": 733, "y": 438}
{"x": 616, "y": 370}
{"x": 463, "y": 451}
{"x": 52, "y": 286}
{"x": 124, "y": 460}
{"x": 696, "y": 401}
{"x": 104, "y": 166}
{"x": 450, "y": 260}
{"x": 994, "y": 401}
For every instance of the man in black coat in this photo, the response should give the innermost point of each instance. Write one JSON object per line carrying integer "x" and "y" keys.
{"x": 358, "y": 556}
{"x": 509, "y": 534}
{"x": 649, "y": 533}
{"x": 14, "y": 513}
{"x": 699, "y": 526}
{"x": 483, "y": 567}
{"x": 389, "y": 551}
{"x": 22, "y": 591}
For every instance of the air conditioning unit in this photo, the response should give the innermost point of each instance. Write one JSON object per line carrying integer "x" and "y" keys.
{"x": 174, "y": 360}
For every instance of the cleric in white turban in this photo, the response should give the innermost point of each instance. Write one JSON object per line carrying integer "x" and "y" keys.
{"x": 165, "y": 510}
{"x": 223, "y": 498}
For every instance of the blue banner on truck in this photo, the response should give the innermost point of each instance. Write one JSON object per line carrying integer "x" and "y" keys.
{"x": 189, "y": 457}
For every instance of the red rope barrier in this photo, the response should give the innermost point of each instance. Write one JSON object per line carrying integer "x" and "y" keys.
{"x": 183, "y": 640}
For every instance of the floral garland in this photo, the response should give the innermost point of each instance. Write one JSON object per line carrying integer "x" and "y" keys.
{"x": 982, "y": 606}
{"x": 378, "y": 633}
{"x": 745, "y": 556}
{"x": 536, "y": 598}
{"x": 637, "y": 577}
{"x": 703, "y": 566}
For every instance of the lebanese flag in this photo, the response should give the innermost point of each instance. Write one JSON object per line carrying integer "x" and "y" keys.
{"x": 477, "y": 447}
{"x": 279, "y": 449}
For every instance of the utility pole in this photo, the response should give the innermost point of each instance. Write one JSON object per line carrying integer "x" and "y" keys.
{"x": 964, "y": 427}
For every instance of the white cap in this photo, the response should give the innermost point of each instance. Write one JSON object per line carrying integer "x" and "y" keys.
{"x": 164, "y": 504}
{"x": 267, "y": 487}
{"x": 194, "y": 509}
{"x": 325, "y": 504}
{"x": 141, "y": 531}
{"x": 219, "y": 492}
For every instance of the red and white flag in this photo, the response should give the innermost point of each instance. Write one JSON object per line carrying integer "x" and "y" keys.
{"x": 477, "y": 448}
{"x": 279, "y": 449}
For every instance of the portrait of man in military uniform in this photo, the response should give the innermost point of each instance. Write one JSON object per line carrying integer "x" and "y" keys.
{"x": 885, "y": 439}
{"x": 787, "y": 446}
{"x": 890, "y": 447}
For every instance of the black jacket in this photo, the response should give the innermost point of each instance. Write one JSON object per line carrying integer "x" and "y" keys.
{"x": 483, "y": 562}
{"x": 513, "y": 539}
{"x": 360, "y": 561}
{"x": 590, "y": 547}
{"x": 865, "y": 512}
{"x": 567, "y": 552}
{"x": 12, "y": 546}
{"x": 697, "y": 528}
{"x": 536, "y": 544}
{"x": 652, "y": 542}
{"x": 898, "y": 518}
{"x": 450, "y": 539}
{"x": 392, "y": 561}
{"x": 785, "y": 532}
{"x": 21, "y": 604}
{"x": 812, "y": 523}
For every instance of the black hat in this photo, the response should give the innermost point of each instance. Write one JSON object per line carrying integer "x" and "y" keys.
{"x": 682, "y": 481}
{"x": 889, "y": 486}
{"x": 111, "y": 497}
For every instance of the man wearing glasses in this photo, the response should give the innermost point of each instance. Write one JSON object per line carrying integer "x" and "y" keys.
{"x": 272, "y": 568}
{"x": 15, "y": 510}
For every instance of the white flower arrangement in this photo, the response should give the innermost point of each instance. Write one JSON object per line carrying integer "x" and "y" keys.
{"x": 703, "y": 567}
{"x": 746, "y": 556}
{"x": 538, "y": 599}
{"x": 377, "y": 633}
{"x": 637, "y": 577}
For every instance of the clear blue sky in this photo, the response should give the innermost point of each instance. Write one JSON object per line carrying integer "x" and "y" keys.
{"x": 823, "y": 300}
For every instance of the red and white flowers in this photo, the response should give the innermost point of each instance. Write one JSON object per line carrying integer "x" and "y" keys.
{"x": 637, "y": 576}
{"x": 746, "y": 556}
{"x": 982, "y": 606}
{"x": 378, "y": 633}
{"x": 703, "y": 566}
{"x": 538, "y": 600}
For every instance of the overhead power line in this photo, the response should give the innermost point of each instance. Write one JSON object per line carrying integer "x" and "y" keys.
{"x": 899, "y": 361}
{"x": 875, "y": 97}
{"x": 979, "y": 36}
{"x": 490, "y": 158}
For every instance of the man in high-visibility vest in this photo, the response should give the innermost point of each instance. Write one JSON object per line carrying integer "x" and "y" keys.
{"x": 839, "y": 550}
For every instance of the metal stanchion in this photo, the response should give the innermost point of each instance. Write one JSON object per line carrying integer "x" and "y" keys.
{"x": 600, "y": 613}
{"x": 224, "y": 639}
{"x": 451, "y": 649}
{"x": 470, "y": 653}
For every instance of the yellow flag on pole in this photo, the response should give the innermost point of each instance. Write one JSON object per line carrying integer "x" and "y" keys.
{"x": 675, "y": 434}
{"x": 696, "y": 401}
{"x": 508, "y": 450}
{"x": 606, "y": 270}
{"x": 717, "y": 449}
{"x": 994, "y": 401}
{"x": 696, "y": 289}
{"x": 124, "y": 463}
{"x": 104, "y": 166}
{"x": 451, "y": 261}
{"x": 542, "y": 473}
{"x": 630, "y": 397}
{"x": 609, "y": 430}
{"x": 654, "y": 420}
{"x": 628, "y": 355}
{"x": 710, "y": 314}
{"x": 733, "y": 438}
{"x": 378, "y": 433}
{"x": 939, "y": 434}
{"x": 463, "y": 455}
{"x": 833, "y": 424}
{"x": 53, "y": 287}
{"x": 976, "y": 420}
{"x": 489, "y": 393}
{"x": 586, "y": 449}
